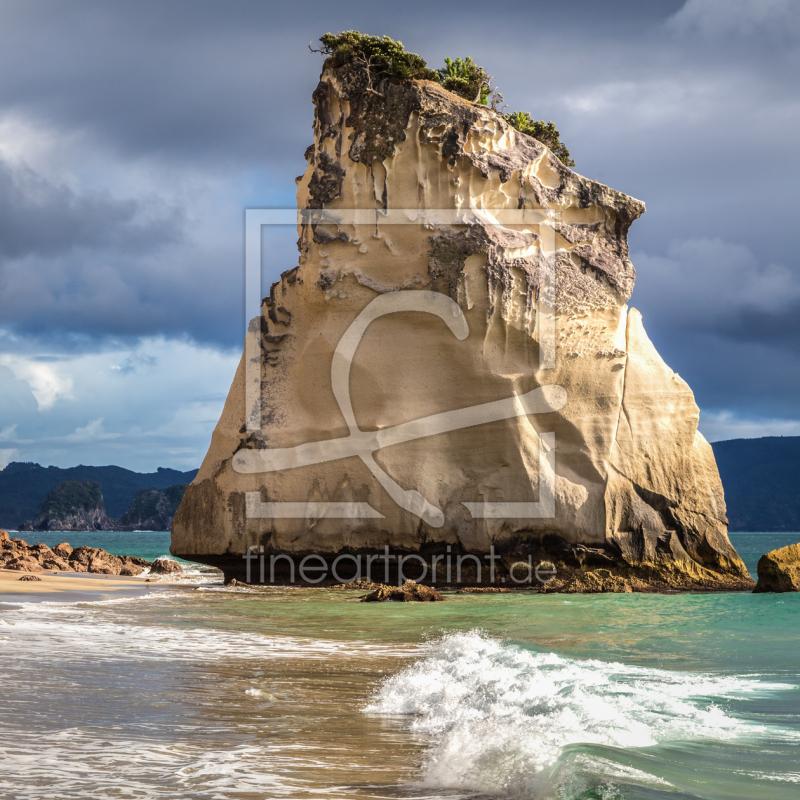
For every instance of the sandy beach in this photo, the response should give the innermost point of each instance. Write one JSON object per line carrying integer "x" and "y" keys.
{"x": 68, "y": 584}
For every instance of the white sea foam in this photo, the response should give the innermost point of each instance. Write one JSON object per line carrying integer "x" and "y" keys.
{"x": 192, "y": 574}
{"x": 75, "y": 763}
{"x": 72, "y": 631}
{"x": 500, "y": 717}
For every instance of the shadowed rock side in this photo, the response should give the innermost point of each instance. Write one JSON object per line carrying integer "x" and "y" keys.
{"x": 637, "y": 492}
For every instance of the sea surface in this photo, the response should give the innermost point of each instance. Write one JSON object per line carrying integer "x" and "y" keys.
{"x": 207, "y": 692}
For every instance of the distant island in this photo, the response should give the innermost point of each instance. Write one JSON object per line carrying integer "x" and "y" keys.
{"x": 761, "y": 478}
{"x": 128, "y": 497}
{"x": 77, "y": 505}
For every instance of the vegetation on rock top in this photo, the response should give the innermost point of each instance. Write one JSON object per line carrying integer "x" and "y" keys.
{"x": 545, "y": 132}
{"x": 380, "y": 54}
{"x": 465, "y": 78}
{"x": 384, "y": 57}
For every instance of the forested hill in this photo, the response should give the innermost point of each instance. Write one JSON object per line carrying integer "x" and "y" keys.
{"x": 23, "y": 486}
{"x": 762, "y": 482}
{"x": 761, "y": 479}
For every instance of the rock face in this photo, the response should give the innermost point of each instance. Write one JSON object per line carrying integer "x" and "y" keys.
{"x": 152, "y": 509}
{"x": 779, "y": 570}
{"x": 73, "y": 505}
{"x": 453, "y": 365}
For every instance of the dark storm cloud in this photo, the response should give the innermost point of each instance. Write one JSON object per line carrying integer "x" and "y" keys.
{"x": 693, "y": 107}
{"x": 38, "y": 217}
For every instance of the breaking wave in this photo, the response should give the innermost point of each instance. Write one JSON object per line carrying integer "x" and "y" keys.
{"x": 506, "y": 720}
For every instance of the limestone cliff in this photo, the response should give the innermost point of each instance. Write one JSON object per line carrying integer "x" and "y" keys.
{"x": 452, "y": 363}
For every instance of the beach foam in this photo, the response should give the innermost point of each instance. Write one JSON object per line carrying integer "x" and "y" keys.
{"x": 504, "y": 719}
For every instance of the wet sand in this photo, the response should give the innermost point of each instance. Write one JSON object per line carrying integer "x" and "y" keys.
{"x": 55, "y": 586}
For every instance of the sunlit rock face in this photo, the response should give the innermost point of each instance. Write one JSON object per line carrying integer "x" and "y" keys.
{"x": 467, "y": 271}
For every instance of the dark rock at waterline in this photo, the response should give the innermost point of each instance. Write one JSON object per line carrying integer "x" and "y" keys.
{"x": 483, "y": 590}
{"x": 30, "y": 578}
{"x": 411, "y": 591}
{"x": 165, "y": 566}
{"x": 779, "y": 570}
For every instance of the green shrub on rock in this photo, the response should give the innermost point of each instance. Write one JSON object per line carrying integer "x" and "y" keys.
{"x": 465, "y": 78}
{"x": 384, "y": 57}
{"x": 545, "y": 132}
{"x": 380, "y": 54}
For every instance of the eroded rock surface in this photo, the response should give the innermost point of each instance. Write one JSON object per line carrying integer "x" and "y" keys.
{"x": 779, "y": 570}
{"x": 451, "y": 200}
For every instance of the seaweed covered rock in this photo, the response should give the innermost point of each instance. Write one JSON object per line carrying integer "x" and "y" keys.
{"x": 410, "y": 592}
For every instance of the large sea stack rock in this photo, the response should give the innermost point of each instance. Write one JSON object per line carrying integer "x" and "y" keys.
{"x": 779, "y": 570}
{"x": 466, "y": 233}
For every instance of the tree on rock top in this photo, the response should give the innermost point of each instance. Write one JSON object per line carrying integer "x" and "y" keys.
{"x": 464, "y": 77}
{"x": 380, "y": 54}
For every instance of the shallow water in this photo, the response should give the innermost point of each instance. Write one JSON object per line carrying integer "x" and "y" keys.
{"x": 303, "y": 693}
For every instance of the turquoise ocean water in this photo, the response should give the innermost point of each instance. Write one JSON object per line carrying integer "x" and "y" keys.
{"x": 203, "y": 692}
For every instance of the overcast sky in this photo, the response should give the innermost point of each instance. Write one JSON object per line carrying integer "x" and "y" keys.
{"x": 134, "y": 134}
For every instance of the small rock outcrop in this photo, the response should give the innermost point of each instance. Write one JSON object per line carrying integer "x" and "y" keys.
{"x": 93, "y": 559}
{"x": 411, "y": 592}
{"x": 17, "y": 554}
{"x": 165, "y": 566}
{"x": 30, "y": 578}
{"x": 73, "y": 505}
{"x": 779, "y": 570}
{"x": 152, "y": 509}
{"x": 452, "y": 365}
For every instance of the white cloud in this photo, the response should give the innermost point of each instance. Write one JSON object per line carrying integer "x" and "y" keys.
{"x": 47, "y": 383}
{"x": 8, "y": 433}
{"x": 718, "y": 426}
{"x": 92, "y": 432}
{"x": 159, "y": 410}
{"x": 6, "y": 457}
